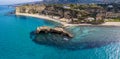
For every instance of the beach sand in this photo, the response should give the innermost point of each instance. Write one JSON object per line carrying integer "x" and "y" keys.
{"x": 65, "y": 23}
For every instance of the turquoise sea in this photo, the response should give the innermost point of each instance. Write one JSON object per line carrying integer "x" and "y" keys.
{"x": 89, "y": 42}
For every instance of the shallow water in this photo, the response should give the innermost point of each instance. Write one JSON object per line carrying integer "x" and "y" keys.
{"x": 90, "y": 42}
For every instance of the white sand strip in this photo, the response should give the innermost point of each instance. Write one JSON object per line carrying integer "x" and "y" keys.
{"x": 66, "y": 24}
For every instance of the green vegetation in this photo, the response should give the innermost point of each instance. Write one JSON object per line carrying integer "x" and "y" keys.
{"x": 84, "y": 13}
{"x": 113, "y": 20}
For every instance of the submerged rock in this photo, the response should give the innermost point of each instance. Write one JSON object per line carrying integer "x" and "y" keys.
{"x": 51, "y": 36}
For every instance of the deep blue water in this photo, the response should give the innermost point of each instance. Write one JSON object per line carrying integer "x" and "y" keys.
{"x": 91, "y": 42}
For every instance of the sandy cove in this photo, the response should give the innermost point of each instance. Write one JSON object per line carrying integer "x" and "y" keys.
{"x": 65, "y": 23}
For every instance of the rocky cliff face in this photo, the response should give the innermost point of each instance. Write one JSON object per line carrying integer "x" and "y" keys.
{"x": 31, "y": 9}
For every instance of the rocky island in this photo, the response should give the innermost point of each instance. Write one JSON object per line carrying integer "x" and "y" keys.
{"x": 52, "y": 36}
{"x": 56, "y": 30}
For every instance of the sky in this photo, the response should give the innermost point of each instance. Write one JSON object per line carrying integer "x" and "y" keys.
{"x": 7, "y": 2}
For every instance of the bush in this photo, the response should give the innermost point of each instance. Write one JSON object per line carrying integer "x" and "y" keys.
{"x": 97, "y": 21}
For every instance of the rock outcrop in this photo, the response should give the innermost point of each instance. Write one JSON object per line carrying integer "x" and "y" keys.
{"x": 56, "y": 30}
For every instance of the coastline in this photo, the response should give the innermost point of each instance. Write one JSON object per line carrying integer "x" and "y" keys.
{"x": 65, "y": 24}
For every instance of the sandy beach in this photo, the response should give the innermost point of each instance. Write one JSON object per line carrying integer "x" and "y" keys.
{"x": 65, "y": 23}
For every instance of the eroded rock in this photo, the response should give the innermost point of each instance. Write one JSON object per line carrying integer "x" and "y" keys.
{"x": 56, "y": 30}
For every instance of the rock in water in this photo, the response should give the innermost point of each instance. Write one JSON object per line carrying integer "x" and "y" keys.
{"x": 51, "y": 36}
{"x": 56, "y": 30}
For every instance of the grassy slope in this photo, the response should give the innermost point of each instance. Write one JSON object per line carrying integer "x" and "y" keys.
{"x": 113, "y": 20}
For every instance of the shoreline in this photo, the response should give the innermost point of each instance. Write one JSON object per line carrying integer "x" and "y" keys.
{"x": 65, "y": 24}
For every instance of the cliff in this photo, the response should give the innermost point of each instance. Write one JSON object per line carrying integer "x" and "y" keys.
{"x": 31, "y": 9}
